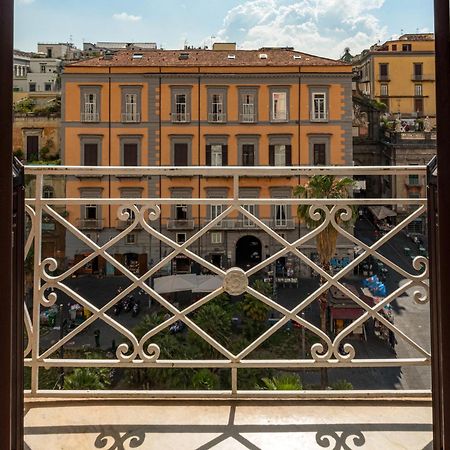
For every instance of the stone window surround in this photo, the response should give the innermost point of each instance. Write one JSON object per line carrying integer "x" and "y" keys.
{"x": 181, "y": 192}
{"x": 243, "y": 90}
{"x": 178, "y": 89}
{"x": 252, "y": 139}
{"x": 90, "y": 192}
{"x": 280, "y": 139}
{"x": 130, "y": 139}
{"x": 181, "y": 139}
{"x": 276, "y": 89}
{"x": 91, "y": 139}
{"x": 319, "y": 90}
{"x": 319, "y": 139}
{"x": 131, "y": 89}
{"x": 91, "y": 89}
{"x": 212, "y": 90}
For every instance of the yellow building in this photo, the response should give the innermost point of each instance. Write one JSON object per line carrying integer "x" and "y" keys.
{"x": 273, "y": 106}
{"x": 401, "y": 74}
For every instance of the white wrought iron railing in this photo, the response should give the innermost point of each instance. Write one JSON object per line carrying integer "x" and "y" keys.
{"x": 328, "y": 351}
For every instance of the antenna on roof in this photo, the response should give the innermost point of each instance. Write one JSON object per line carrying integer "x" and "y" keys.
{"x": 417, "y": 30}
{"x": 401, "y": 31}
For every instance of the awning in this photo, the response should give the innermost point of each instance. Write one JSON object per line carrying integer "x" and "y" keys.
{"x": 381, "y": 212}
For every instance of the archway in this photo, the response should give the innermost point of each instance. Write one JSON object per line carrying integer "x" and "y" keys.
{"x": 248, "y": 252}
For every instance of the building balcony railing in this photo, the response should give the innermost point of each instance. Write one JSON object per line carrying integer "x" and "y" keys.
{"x": 361, "y": 326}
{"x": 384, "y": 78}
{"x": 90, "y": 117}
{"x": 239, "y": 224}
{"x": 423, "y": 77}
{"x": 247, "y": 117}
{"x": 180, "y": 224}
{"x": 90, "y": 224}
{"x": 180, "y": 117}
{"x": 217, "y": 117}
{"x": 319, "y": 117}
{"x": 131, "y": 117}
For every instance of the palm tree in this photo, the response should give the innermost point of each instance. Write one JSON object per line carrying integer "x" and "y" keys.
{"x": 282, "y": 383}
{"x": 318, "y": 187}
{"x": 87, "y": 378}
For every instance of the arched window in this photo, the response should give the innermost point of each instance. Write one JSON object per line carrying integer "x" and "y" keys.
{"x": 48, "y": 192}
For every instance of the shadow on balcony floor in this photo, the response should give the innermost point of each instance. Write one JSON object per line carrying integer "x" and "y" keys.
{"x": 201, "y": 425}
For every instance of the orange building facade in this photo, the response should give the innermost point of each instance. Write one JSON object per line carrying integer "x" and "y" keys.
{"x": 268, "y": 107}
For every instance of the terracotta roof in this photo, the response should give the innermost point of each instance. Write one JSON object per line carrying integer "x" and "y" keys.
{"x": 209, "y": 58}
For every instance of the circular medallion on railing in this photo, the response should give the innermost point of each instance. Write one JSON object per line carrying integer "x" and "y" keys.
{"x": 235, "y": 281}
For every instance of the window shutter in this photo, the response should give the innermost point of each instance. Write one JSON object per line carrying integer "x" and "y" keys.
{"x": 130, "y": 155}
{"x": 208, "y": 155}
{"x": 289, "y": 155}
{"x": 271, "y": 155}
{"x": 180, "y": 154}
{"x": 224, "y": 155}
{"x": 252, "y": 156}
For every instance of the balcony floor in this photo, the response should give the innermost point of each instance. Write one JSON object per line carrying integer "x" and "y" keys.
{"x": 257, "y": 424}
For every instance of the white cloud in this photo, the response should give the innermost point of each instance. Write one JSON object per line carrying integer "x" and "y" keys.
{"x": 322, "y": 27}
{"x": 126, "y": 17}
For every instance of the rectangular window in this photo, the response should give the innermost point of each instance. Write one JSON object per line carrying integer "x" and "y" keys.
{"x": 216, "y": 155}
{"x": 131, "y": 108}
{"x": 180, "y": 154}
{"x": 90, "y": 108}
{"x": 32, "y": 87}
{"x": 90, "y": 154}
{"x": 246, "y": 222}
{"x": 406, "y": 48}
{"x": 130, "y": 239}
{"x": 43, "y": 68}
{"x": 248, "y": 108}
{"x": 384, "y": 71}
{"x": 320, "y": 154}
{"x": 217, "y": 113}
{"x": 248, "y": 155}
{"x": 384, "y": 90}
{"x": 181, "y": 212}
{"x": 319, "y": 106}
{"x": 216, "y": 237}
{"x": 418, "y": 90}
{"x": 180, "y": 238}
{"x": 413, "y": 180}
{"x": 48, "y": 87}
{"x": 280, "y": 155}
{"x": 280, "y": 215}
{"x": 215, "y": 210}
{"x": 90, "y": 212}
{"x": 394, "y": 47}
{"x": 181, "y": 108}
{"x": 279, "y": 106}
{"x": 130, "y": 154}
{"x": 418, "y": 106}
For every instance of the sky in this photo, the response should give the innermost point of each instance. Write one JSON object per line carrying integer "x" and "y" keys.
{"x": 321, "y": 27}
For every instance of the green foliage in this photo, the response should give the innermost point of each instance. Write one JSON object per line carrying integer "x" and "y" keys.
{"x": 24, "y": 106}
{"x": 342, "y": 385}
{"x": 87, "y": 378}
{"x": 254, "y": 308}
{"x": 18, "y": 153}
{"x": 205, "y": 379}
{"x": 289, "y": 382}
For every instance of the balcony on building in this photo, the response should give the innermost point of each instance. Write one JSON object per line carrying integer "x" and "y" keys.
{"x": 90, "y": 117}
{"x": 133, "y": 117}
{"x": 377, "y": 398}
{"x": 181, "y": 117}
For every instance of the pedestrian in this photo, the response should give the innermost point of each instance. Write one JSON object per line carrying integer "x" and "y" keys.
{"x": 97, "y": 338}
{"x": 392, "y": 340}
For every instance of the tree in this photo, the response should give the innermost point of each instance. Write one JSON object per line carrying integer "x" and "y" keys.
{"x": 290, "y": 382}
{"x": 87, "y": 378}
{"x": 318, "y": 187}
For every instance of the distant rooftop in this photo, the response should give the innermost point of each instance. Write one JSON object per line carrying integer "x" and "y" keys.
{"x": 210, "y": 58}
{"x": 125, "y": 45}
{"x": 416, "y": 37}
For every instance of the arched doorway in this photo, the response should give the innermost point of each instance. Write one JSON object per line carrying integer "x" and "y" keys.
{"x": 248, "y": 252}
